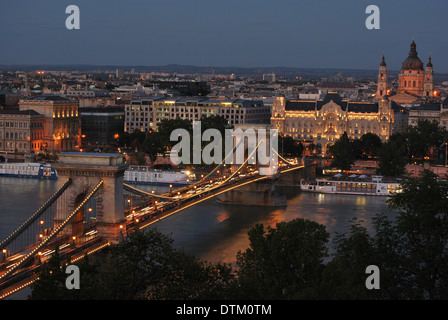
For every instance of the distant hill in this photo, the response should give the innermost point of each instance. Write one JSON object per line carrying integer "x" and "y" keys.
{"x": 287, "y": 72}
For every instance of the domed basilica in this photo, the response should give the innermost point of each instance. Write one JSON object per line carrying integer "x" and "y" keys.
{"x": 415, "y": 82}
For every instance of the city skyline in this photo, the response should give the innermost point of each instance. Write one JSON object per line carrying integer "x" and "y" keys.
{"x": 308, "y": 34}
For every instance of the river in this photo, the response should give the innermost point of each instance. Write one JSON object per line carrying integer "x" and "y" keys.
{"x": 211, "y": 231}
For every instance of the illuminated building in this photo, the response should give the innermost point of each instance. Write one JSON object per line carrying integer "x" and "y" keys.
{"x": 60, "y": 122}
{"x": 323, "y": 121}
{"x": 146, "y": 114}
{"x": 414, "y": 81}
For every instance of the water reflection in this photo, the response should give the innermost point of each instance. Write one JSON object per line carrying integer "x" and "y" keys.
{"x": 222, "y": 216}
{"x": 212, "y": 231}
{"x": 275, "y": 217}
{"x": 19, "y": 199}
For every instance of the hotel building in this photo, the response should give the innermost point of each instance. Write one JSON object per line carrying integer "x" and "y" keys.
{"x": 323, "y": 121}
{"x": 146, "y": 114}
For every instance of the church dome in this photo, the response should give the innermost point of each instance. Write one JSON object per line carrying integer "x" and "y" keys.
{"x": 412, "y": 62}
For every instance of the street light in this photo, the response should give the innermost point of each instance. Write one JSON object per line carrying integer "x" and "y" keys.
{"x": 446, "y": 152}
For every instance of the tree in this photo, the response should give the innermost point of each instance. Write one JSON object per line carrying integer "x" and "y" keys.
{"x": 342, "y": 153}
{"x": 136, "y": 263}
{"x": 51, "y": 283}
{"x": 214, "y": 122}
{"x": 284, "y": 262}
{"x": 300, "y": 149}
{"x": 357, "y": 149}
{"x": 370, "y": 143}
{"x": 344, "y": 276}
{"x": 366, "y": 147}
{"x": 290, "y": 147}
{"x": 410, "y": 249}
{"x": 136, "y": 139}
{"x": 167, "y": 126}
{"x": 392, "y": 159}
{"x": 189, "y": 278}
{"x": 144, "y": 265}
{"x": 423, "y": 229}
{"x": 132, "y": 141}
{"x": 311, "y": 147}
{"x": 421, "y": 137}
{"x": 154, "y": 144}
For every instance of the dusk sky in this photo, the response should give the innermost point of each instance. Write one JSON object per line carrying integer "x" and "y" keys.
{"x": 242, "y": 33}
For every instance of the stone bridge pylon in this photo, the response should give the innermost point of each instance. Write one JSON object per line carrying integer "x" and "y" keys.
{"x": 86, "y": 171}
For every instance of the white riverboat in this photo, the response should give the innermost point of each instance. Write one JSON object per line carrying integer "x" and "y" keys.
{"x": 28, "y": 170}
{"x": 363, "y": 185}
{"x": 150, "y": 176}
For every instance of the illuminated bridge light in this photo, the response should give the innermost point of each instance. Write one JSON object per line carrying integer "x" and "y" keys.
{"x": 55, "y": 232}
{"x": 215, "y": 190}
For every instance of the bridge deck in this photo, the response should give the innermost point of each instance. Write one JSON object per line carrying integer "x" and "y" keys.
{"x": 22, "y": 270}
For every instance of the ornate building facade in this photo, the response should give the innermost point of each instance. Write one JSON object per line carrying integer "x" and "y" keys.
{"x": 323, "y": 121}
{"x": 59, "y": 128}
{"x": 415, "y": 82}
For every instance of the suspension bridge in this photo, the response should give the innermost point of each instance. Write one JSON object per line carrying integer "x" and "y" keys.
{"x": 88, "y": 212}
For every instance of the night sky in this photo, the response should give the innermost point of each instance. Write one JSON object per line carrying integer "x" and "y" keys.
{"x": 242, "y": 33}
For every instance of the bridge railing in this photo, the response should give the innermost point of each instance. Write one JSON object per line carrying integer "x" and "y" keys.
{"x": 34, "y": 227}
{"x": 32, "y": 251}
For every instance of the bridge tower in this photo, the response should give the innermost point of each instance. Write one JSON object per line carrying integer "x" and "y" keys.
{"x": 86, "y": 170}
{"x": 253, "y": 133}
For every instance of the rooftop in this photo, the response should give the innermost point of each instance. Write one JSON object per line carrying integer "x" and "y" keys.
{"x": 18, "y": 112}
{"x": 47, "y": 97}
{"x": 311, "y": 105}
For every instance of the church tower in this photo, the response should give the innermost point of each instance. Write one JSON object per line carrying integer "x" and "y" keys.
{"x": 382, "y": 80}
{"x": 429, "y": 80}
{"x": 385, "y": 118}
{"x": 278, "y": 114}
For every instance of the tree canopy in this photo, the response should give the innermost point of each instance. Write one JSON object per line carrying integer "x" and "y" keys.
{"x": 392, "y": 159}
{"x": 342, "y": 153}
{"x": 421, "y": 137}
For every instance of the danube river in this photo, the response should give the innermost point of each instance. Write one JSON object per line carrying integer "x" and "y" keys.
{"x": 211, "y": 231}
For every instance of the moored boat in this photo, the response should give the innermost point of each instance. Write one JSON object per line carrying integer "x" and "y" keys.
{"x": 374, "y": 185}
{"x": 28, "y": 170}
